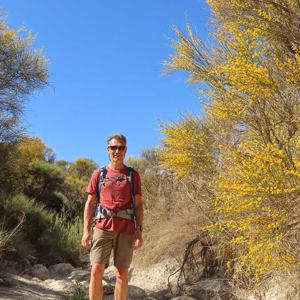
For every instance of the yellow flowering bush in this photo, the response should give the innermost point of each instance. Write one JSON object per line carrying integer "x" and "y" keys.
{"x": 258, "y": 185}
{"x": 250, "y": 78}
{"x": 258, "y": 191}
{"x": 187, "y": 147}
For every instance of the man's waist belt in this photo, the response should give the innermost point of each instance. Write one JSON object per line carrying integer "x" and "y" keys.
{"x": 103, "y": 213}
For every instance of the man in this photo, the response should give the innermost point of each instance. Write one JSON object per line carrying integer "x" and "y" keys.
{"x": 113, "y": 231}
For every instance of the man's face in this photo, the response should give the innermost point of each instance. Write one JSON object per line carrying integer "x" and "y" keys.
{"x": 116, "y": 150}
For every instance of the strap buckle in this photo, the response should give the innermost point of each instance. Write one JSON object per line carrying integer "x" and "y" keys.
{"x": 104, "y": 213}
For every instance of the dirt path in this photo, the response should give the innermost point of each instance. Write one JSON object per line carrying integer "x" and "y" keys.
{"x": 142, "y": 284}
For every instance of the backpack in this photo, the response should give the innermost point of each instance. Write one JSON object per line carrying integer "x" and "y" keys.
{"x": 101, "y": 212}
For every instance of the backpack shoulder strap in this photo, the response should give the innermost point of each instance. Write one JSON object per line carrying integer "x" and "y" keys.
{"x": 102, "y": 175}
{"x": 129, "y": 175}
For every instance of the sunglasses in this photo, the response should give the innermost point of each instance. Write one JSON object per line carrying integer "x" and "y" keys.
{"x": 114, "y": 148}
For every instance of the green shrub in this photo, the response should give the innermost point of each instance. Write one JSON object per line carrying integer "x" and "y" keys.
{"x": 78, "y": 293}
{"x": 37, "y": 219}
{"x": 45, "y": 237}
{"x": 69, "y": 237}
{"x": 36, "y": 240}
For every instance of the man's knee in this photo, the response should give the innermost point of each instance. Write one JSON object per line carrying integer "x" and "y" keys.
{"x": 97, "y": 271}
{"x": 122, "y": 274}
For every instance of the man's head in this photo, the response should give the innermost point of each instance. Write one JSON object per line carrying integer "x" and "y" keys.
{"x": 116, "y": 147}
{"x": 117, "y": 136}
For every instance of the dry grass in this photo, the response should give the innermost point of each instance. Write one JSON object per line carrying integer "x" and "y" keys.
{"x": 172, "y": 218}
{"x": 166, "y": 237}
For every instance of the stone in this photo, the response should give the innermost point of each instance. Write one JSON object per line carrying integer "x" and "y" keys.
{"x": 175, "y": 283}
{"x": 155, "y": 277}
{"x": 79, "y": 275}
{"x": 135, "y": 292}
{"x": 85, "y": 258}
{"x": 212, "y": 289}
{"x": 12, "y": 266}
{"x": 84, "y": 285}
{"x": 183, "y": 298}
{"x": 110, "y": 273}
{"x": 62, "y": 286}
{"x": 40, "y": 271}
{"x": 2, "y": 282}
{"x": 60, "y": 271}
{"x": 108, "y": 289}
{"x": 279, "y": 289}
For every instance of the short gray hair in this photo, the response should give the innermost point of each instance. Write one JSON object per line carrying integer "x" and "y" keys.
{"x": 117, "y": 136}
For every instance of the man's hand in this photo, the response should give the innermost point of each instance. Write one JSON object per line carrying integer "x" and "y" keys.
{"x": 138, "y": 240}
{"x": 85, "y": 240}
{"x": 89, "y": 209}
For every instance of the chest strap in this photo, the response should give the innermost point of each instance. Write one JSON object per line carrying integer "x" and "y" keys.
{"x": 104, "y": 213}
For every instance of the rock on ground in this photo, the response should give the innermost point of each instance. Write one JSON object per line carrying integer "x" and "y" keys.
{"x": 15, "y": 287}
{"x": 155, "y": 277}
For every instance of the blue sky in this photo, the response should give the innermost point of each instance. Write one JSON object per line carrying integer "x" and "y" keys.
{"x": 105, "y": 61}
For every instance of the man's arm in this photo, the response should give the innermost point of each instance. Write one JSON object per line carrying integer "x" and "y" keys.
{"x": 139, "y": 211}
{"x": 89, "y": 210}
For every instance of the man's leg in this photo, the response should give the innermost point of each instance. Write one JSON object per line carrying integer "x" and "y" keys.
{"x": 121, "y": 288}
{"x": 100, "y": 251}
{"x": 123, "y": 250}
{"x": 96, "y": 288}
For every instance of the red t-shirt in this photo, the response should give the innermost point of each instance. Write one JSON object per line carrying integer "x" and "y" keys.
{"x": 116, "y": 196}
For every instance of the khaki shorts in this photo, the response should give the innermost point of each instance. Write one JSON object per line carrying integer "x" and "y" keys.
{"x": 105, "y": 241}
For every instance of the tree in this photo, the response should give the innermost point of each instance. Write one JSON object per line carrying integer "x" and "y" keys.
{"x": 276, "y": 20}
{"x": 75, "y": 196}
{"x": 250, "y": 73}
{"x": 30, "y": 149}
{"x": 82, "y": 168}
{"x": 64, "y": 164}
{"x": 22, "y": 71}
{"x": 77, "y": 177}
{"x": 9, "y": 182}
{"x": 44, "y": 183}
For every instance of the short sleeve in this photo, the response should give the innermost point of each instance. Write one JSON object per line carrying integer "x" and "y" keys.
{"x": 93, "y": 183}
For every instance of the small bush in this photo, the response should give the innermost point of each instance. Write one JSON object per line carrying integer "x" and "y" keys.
{"x": 45, "y": 237}
{"x": 78, "y": 293}
{"x": 69, "y": 237}
{"x": 37, "y": 219}
{"x": 6, "y": 236}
